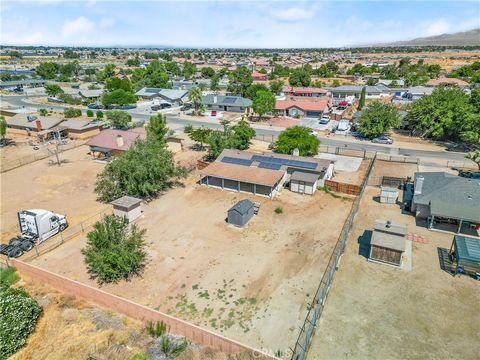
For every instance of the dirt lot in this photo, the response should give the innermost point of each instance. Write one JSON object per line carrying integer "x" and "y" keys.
{"x": 379, "y": 312}
{"x": 66, "y": 189}
{"x": 250, "y": 284}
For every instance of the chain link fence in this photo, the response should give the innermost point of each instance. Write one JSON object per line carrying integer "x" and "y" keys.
{"x": 315, "y": 308}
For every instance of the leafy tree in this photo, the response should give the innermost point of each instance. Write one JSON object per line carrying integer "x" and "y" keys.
{"x": 118, "y": 97}
{"x": 299, "y": 77}
{"x": 200, "y": 135}
{"x": 253, "y": 89}
{"x": 154, "y": 75}
{"x": 214, "y": 82}
{"x": 243, "y": 134}
{"x": 43, "y": 112}
{"x": 53, "y": 89}
{"x": 133, "y": 62}
{"x": 47, "y": 70}
{"x": 195, "y": 96}
{"x": 3, "y": 127}
{"x": 297, "y": 137}
{"x": 263, "y": 102}
{"x": 189, "y": 69}
{"x": 475, "y": 157}
{"x": 115, "y": 250}
{"x": 115, "y": 83}
{"x": 142, "y": 171}
{"x": 89, "y": 113}
{"x": 119, "y": 119}
{"x": 99, "y": 114}
{"x": 371, "y": 81}
{"x": 378, "y": 118}
{"x": 239, "y": 81}
{"x": 72, "y": 112}
{"x": 475, "y": 99}
{"x": 448, "y": 113}
{"x": 276, "y": 86}
{"x": 157, "y": 128}
{"x": 107, "y": 72}
{"x": 361, "y": 102}
{"x": 69, "y": 69}
{"x": 208, "y": 72}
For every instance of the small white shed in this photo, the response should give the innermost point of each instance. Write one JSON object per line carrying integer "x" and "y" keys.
{"x": 303, "y": 182}
{"x": 388, "y": 195}
{"x": 127, "y": 206}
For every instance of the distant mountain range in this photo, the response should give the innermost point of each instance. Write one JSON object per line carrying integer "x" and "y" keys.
{"x": 466, "y": 38}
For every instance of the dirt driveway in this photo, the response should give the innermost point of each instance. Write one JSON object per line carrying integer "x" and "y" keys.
{"x": 251, "y": 284}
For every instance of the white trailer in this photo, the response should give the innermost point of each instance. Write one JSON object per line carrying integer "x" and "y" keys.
{"x": 39, "y": 224}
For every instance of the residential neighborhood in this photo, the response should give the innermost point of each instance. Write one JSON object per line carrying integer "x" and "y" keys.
{"x": 239, "y": 180}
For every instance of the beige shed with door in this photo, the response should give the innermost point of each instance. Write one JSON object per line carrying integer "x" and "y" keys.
{"x": 127, "y": 206}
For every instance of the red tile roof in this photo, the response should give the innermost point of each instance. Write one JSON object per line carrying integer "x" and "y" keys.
{"x": 258, "y": 75}
{"x": 108, "y": 139}
{"x": 302, "y": 104}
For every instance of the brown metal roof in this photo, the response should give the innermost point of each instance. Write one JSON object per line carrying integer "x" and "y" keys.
{"x": 246, "y": 174}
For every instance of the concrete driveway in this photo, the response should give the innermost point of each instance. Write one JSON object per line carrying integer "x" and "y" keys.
{"x": 342, "y": 163}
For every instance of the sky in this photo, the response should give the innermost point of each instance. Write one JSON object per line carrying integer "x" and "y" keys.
{"x": 231, "y": 24}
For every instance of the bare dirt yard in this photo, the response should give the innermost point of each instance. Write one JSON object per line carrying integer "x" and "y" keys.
{"x": 251, "y": 284}
{"x": 67, "y": 189}
{"x": 375, "y": 311}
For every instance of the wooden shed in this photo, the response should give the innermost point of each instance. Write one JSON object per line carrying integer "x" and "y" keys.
{"x": 240, "y": 213}
{"x": 388, "y": 242}
{"x": 127, "y": 206}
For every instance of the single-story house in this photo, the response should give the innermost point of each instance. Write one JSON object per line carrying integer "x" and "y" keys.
{"x": 22, "y": 83}
{"x": 111, "y": 142}
{"x": 265, "y": 174}
{"x": 386, "y": 82}
{"x": 31, "y": 124}
{"x": 448, "y": 202}
{"x": 447, "y": 81}
{"x": 309, "y": 108}
{"x": 387, "y": 244}
{"x": 148, "y": 93}
{"x": 417, "y": 92}
{"x": 183, "y": 84}
{"x": 226, "y": 103}
{"x": 258, "y": 76}
{"x": 305, "y": 91}
{"x": 371, "y": 91}
{"x": 81, "y": 129}
{"x": 240, "y": 213}
{"x": 93, "y": 95}
{"x": 172, "y": 96}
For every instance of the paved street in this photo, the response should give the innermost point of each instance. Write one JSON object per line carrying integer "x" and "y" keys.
{"x": 346, "y": 142}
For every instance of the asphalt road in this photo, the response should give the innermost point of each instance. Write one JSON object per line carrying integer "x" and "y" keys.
{"x": 22, "y": 101}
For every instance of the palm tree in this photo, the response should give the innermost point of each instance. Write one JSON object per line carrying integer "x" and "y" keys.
{"x": 195, "y": 96}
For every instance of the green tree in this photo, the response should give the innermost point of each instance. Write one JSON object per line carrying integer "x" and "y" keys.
{"x": 195, "y": 96}
{"x": 447, "y": 113}
{"x": 297, "y": 137}
{"x": 99, "y": 114}
{"x": 72, "y": 112}
{"x": 200, "y": 135}
{"x": 361, "y": 102}
{"x": 276, "y": 86}
{"x": 189, "y": 69}
{"x": 299, "y": 77}
{"x": 243, "y": 134}
{"x": 118, "y": 97}
{"x": 378, "y": 118}
{"x": 157, "y": 127}
{"x": 107, "y": 72}
{"x": 142, "y": 171}
{"x": 133, "y": 62}
{"x": 253, "y": 89}
{"x": 47, "y": 70}
{"x": 43, "y": 112}
{"x": 115, "y": 250}
{"x": 208, "y": 72}
{"x": 53, "y": 90}
{"x": 119, "y": 119}
{"x": 115, "y": 83}
{"x": 89, "y": 113}
{"x": 239, "y": 81}
{"x": 475, "y": 157}
{"x": 3, "y": 127}
{"x": 263, "y": 102}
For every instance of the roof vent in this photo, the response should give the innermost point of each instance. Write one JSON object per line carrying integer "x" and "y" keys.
{"x": 31, "y": 118}
{"x": 388, "y": 224}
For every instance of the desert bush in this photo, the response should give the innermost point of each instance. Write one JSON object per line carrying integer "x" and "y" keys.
{"x": 279, "y": 210}
{"x": 18, "y": 316}
{"x": 156, "y": 329}
{"x": 8, "y": 276}
{"x": 172, "y": 348}
{"x": 71, "y": 112}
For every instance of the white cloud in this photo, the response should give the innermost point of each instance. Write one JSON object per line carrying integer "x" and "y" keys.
{"x": 80, "y": 27}
{"x": 106, "y": 23}
{"x": 293, "y": 14}
{"x": 90, "y": 3}
{"x": 438, "y": 27}
{"x": 34, "y": 38}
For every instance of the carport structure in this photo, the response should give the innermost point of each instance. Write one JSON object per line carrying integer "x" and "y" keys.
{"x": 256, "y": 181}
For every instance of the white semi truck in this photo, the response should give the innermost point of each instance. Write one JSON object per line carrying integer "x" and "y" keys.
{"x": 40, "y": 224}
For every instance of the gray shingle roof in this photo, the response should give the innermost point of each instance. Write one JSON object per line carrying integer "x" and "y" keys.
{"x": 450, "y": 196}
{"x": 22, "y": 120}
{"x": 226, "y": 100}
{"x": 304, "y": 176}
{"x": 242, "y": 207}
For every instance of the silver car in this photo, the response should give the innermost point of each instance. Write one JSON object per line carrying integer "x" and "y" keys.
{"x": 382, "y": 140}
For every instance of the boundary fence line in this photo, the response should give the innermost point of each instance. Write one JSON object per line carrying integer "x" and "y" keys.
{"x": 304, "y": 340}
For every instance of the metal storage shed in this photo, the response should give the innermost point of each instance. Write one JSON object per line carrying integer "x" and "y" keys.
{"x": 466, "y": 254}
{"x": 388, "y": 242}
{"x": 240, "y": 213}
{"x": 127, "y": 206}
{"x": 303, "y": 182}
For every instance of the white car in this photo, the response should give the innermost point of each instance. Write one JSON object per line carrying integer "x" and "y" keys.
{"x": 325, "y": 119}
{"x": 314, "y": 133}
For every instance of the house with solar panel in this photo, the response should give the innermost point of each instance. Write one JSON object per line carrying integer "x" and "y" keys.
{"x": 214, "y": 102}
{"x": 266, "y": 174}
{"x": 174, "y": 97}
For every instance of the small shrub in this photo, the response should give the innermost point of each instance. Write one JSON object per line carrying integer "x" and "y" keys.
{"x": 43, "y": 112}
{"x": 99, "y": 114}
{"x": 156, "y": 329}
{"x": 8, "y": 276}
{"x": 140, "y": 356}
{"x": 18, "y": 316}
{"x": 89, "y": 113}
{"x": 71, "y": 113}
{"x": 172, "y": 348}
{"x": 279, "y": 210}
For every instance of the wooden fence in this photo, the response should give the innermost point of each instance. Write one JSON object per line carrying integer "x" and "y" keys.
{"x": 201, "y": 164}
{"x": 342, "y": 187}
{"x": 136, "y": 311}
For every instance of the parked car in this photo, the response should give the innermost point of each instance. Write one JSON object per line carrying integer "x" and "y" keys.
{"x": 186, "y": 107}
{"x": 127, "y": 107}
{"x": 165, "y": 105}
{"x": 314, "y": 133}
{"x": 382, "y": 140}
{"x": 459, "y": 147}
{"x": 155, "y": 107}
{"x": 470, "y": 174}
{"x": 95, "y": 106}
{"x": 325, "y": 119}
{"x": 359, "y": 135}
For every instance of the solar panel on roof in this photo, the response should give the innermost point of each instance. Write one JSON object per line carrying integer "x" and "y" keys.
{"x": 236, "y": 161}
{"x": 229, "y": 100}
{"x": 304, "y": 164}
{"x": 267, "y": 165}
{"x": 152, "y": 90}
{"x": 282, "y": 161}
